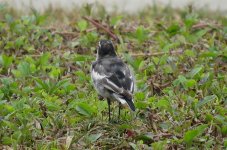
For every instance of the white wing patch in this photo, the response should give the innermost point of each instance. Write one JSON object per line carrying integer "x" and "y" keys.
{"x": 132, "y": 84}
{"x": 122, "y": 101}
{"x": 96, "y": 76}
{"x": 110, "y": 85}
{"x": 119, "y": 90}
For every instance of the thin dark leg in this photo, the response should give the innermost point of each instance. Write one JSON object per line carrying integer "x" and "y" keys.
{"x": 108, "y": 101}
{"x": 119, "y": 111}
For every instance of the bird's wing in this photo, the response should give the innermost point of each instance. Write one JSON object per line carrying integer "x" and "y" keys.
{"x": 122, "y": 88}
{"x": 108, "y": 81}
{"x": 117, "y": 80}
{"x": 128, "y": 81}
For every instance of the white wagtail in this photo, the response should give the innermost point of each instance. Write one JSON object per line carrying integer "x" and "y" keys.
{"x": 111, "y": 77}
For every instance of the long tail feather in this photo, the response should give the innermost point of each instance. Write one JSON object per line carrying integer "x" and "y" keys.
{"x": 131, "y": 105}
{"x": 124, "y": 99}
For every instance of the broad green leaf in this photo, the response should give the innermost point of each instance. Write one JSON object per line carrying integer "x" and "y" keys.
{"x": 134, "y": 62}
{"x": 114, "y": 20}
{"x": 20, "y": 41}
{"x": 189, "y": 53}
{"x": 209, "y": 117}
{"x": 159, "y": 145}
{"x": 89, "y": 39}
{"x": 94, "y": 137}
{"x": 84, "y": 109}
{"x": 190, "y": 20}
{"x": 181, "y": 80}
{"x": 205, "y": 78}
{"x": 205, "y": 100}
{"x": 141, "y": 34}
{"x": 82, "y": 25}
{"x": 81, "y": 75}
{"x": 52, "y": 105}
{"x": 140, "y": 96}
{"x": 195, "y": 71}
{"x": 55, "y": 72}
{"x": 225, "y": 142}
{"x": 190, "y": 135}
{"x": 79, "y": 58}
{"x": 221, "y": 119}
{"x": 63, "y": 82}
{"x": 190, "y": 83}
{"x": 29, "y": 48}
{"x": 82, "y": 58}
{"x": 9, "y": 45}
{"x": 146, "y": 137}
{"x": 7, "y": 140}
{"x": 201, "y": 33}
{"x": 213, "y": 54}
{"x": 163, "y": 103}
{"x": 41, "y": 84}
{"x": 9, "y": 18}
{"x": 124, "y": 126}
{"x": 173, "y": 29}
{"x": 5, "y": 60}
{"x": 44, "y": 59}
{"x": 165, "y": 125}
{"x": 24, "y": 68}
{"x": 141, "y": 104}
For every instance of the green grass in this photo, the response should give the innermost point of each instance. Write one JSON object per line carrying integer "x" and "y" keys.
{"x": 47, "y": 100}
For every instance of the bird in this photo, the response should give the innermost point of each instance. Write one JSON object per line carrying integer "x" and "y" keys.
{"x": 112, "y": 78}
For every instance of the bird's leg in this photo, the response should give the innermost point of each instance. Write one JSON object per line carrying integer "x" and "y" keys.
{"x": 108, "y": 101}
{"x": 119, "y": 111}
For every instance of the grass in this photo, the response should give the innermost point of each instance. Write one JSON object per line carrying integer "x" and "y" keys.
{"x": 47, "y": 100}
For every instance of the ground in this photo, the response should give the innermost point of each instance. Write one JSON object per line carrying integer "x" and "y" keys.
{"x": 179, "y": 58}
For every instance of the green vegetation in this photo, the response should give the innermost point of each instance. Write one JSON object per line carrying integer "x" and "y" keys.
{"x": 47, "y": 100}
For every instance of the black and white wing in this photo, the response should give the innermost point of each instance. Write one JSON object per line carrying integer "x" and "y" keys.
{"x": 117, "y": 79}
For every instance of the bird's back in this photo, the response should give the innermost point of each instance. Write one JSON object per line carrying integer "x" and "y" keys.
{"x": 116, "y": 68}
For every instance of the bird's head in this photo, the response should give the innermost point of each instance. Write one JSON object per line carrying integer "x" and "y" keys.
{"x": 105, "y": 49}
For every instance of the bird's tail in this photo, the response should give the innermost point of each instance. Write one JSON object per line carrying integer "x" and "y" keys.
{"x": 131, "y": 105}
{"x": 125, "y": 99}
{"x": 129, "y": 101}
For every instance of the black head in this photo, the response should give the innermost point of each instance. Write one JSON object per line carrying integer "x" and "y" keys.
{"x": 105, "y": 49}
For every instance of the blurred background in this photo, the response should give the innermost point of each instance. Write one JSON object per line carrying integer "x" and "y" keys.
{"x": 178, "y": 54}
{"x": 129, "y": 6}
